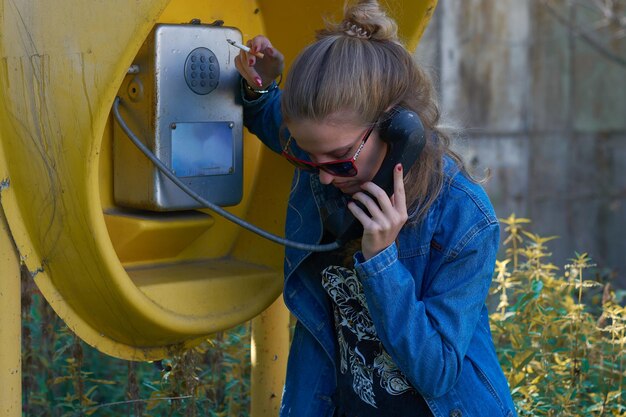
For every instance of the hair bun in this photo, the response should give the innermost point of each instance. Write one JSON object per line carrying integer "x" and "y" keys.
{"x": 364, "y": 19}
{"x": 351, "y": 29}
{"x": 371, "y": 18}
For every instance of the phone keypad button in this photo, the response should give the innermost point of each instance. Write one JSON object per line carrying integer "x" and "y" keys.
{"x": 202, "y": 71}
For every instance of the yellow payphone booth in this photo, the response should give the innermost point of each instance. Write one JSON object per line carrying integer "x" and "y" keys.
{"x": 130, "y": 277}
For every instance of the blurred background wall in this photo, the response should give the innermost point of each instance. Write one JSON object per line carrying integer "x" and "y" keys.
{"x": 539, "y": 90}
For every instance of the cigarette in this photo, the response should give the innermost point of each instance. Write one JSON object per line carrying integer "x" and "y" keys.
{"x": 245, "y": 48}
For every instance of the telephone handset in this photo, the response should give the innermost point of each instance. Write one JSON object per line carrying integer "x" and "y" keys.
{"x": 404, "y": 134}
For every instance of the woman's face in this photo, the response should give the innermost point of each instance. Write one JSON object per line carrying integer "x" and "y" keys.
{"x": 338, "y": 137}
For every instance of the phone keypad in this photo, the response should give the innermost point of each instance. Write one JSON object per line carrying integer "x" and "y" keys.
{"x": 202, "y": 71}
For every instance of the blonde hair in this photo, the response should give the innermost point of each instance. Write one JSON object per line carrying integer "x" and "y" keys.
{"x": 359, "y": 64}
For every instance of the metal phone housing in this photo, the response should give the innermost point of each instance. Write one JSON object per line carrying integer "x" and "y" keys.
{"x": 181, "y": 98}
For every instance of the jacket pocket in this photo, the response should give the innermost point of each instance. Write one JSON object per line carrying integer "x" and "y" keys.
{"x": 491, "y": 389}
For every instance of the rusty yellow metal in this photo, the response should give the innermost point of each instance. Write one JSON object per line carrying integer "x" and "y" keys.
{"x": 121, "y": 282}
{"x": 292, "y": 24}
{"x": 137, "y": 286}
{"x": 10, "y": 328}
{"x": 269, "y": 351}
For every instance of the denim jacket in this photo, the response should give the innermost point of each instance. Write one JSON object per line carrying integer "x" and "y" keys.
{"x": 426, "y": 295}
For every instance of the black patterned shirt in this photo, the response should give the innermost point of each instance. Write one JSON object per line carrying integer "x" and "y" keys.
{"x": 368, "y": 381}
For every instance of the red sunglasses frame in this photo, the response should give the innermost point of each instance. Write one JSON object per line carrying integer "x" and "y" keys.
{"x": 327, "y": 166}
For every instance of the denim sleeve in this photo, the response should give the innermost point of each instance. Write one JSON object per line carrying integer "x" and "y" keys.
{"x": 263, "y": 118}
{"x": 428, "y": 338}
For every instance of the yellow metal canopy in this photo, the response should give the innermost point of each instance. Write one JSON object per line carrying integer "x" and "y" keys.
{"x": 134, "y": 285}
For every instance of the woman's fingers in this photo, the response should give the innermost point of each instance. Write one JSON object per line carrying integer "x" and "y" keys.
{"x": 399, "y": 196}
{"x": 381, "y": 196}
{"x": 260, "y": 72}
{"x": 386, "y": 215}
{"x": 398, "y": 201}
{"x": 246, "y": 71}
{"x": 271, "y": 65}
{"x": 370, "y": 204}
{"x": 359, "y": 214}
{"x": 250, "y": 58}
{"x": 259, "y": 43}
{"x": 277, "y": 55}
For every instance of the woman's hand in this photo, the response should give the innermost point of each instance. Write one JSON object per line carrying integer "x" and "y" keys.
{"x": 260, "y": 72}
{"x": 387, "y": 217}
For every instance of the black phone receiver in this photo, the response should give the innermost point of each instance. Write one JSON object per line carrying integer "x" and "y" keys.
{"x": 404, "y": 134}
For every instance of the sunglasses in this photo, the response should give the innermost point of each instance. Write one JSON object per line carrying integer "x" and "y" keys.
{"x": 338, "y": 168}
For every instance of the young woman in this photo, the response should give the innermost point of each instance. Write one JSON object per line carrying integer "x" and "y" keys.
{"x": 394, "y": 323}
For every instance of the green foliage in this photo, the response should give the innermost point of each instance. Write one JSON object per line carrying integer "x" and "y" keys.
{"x": 64, "y": 377}
{"x": 560, "y": 345}
{"x": 560, "y": 338}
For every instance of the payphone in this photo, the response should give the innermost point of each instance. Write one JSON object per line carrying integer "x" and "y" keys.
{"x": 180, "y": 98}
{"x": 195, "y": 154}
{"x": 177, "y": 143}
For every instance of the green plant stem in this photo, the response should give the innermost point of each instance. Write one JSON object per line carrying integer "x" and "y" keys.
{"x": 116, "y": 403}
{"x": 580, "y": 281}
{"x": 515, "y": 253}
{"x": 79, "y": 383}
{"x": 621, "y": 365}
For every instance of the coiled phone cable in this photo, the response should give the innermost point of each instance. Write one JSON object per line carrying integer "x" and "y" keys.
{"x": 213, "y": 207}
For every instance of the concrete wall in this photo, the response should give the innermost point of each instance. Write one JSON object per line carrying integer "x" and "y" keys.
{"x": 545, "y": 111}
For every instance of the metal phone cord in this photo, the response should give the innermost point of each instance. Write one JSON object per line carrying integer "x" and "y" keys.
{"x": 217, "y": 209}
